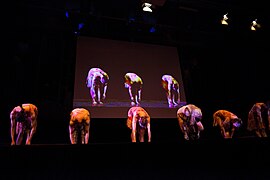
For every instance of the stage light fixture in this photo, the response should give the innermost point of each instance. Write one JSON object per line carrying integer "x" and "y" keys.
{"x": 146, "y": 7}
{"x": 224, "y": 19}
{"x": 254, "y": 25}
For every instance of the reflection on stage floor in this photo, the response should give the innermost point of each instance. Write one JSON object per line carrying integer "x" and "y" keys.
{"x": 118, "y": 109}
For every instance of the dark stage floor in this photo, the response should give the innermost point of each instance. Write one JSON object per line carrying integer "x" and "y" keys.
{"x": 244, "y": 158}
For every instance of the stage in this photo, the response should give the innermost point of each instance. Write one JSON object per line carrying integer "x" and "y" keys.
{"x": 243, "y": 158}
{"x": 111, "y": 155}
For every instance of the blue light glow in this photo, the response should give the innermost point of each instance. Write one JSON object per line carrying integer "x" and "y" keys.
{"x": 152, "y": 30}
{"x": 67, "y": 14}
{"x": 80, "y": 26}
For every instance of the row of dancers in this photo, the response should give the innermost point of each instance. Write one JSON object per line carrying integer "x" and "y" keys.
{"x": 24, "y": 123}
{"x": 97, "y": 81}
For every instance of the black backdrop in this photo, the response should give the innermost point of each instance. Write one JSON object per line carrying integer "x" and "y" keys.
{"x": 223, "y": 68}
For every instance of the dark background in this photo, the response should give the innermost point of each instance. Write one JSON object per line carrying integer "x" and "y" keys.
{"x": 223, "y": 67}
